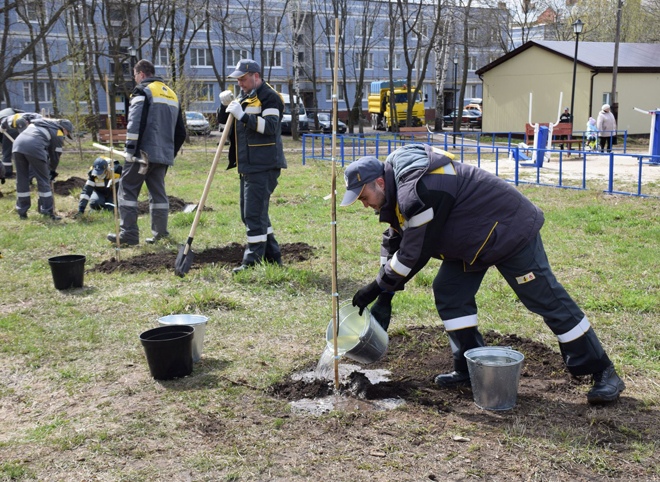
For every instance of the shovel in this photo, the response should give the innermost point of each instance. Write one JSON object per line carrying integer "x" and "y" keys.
{"x": 185, "y": 257}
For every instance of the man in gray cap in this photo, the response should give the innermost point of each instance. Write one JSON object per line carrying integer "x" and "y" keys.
{"x": 471, "y": 220}
{"x": 256, "y": 150}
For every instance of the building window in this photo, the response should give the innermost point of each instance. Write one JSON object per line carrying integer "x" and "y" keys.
{"x": 368, "y": 61}
{"x": 200, "y": 57}
{"x": 204, "y": 93}
{"x": 273, "y": 59}
{"x": 28, "y": 12}
{"x": 234, "y": 56}
{"x": 396, "y": 62}
{"x": 162, "y": 57}
{"x": 472, "y": 33}
{"x": 328, "y": 92}
{"x": 270, "y": 24}
{"x": 43, "y": 92}
{"x": 387, "y": 28}
{"x": 36, "y": 53}
{"x": 472, "y": 63}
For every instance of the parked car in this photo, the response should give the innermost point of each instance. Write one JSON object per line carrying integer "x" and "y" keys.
{"x": 196, "y": 123}
{"x": 471, "y": 118}
{"x": 325, "y": 122}
{"x": 303, "y": 121}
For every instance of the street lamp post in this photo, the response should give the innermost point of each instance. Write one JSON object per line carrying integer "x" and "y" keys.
{"x": 455, "y": 95}
{"x": 132, "y": 51}
{"x": 577, "y": 29}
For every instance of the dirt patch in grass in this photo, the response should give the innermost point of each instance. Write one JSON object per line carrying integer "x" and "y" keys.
{"x": 228, "y": 255}
{"x": 65, "y": 187}
{"x": 550, "y": 401}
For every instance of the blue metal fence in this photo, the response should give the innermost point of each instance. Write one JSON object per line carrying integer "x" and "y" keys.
{"x": 505, "y": 154}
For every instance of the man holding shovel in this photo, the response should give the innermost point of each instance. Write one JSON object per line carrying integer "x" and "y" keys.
{"x": 256, "y": 150}
{"x": 471, "y": 220}
{"x": 155, "y": 133}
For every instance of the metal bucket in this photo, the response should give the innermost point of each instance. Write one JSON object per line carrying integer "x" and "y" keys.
{"x": 494, "y": 375}
{"x": 360, "y": 338}
{"x": 196, "y": 321}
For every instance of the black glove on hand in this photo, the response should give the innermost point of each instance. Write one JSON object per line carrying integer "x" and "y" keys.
{"x": 2, "y": 180}
{"x": 366, "y": 295}
{"x": 382, "y": 309}
{"x": 53, "y": 175}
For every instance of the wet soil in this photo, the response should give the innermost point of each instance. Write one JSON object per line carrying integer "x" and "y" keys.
{"x": 417, "y": 356}
{"x": 229, "y": 255}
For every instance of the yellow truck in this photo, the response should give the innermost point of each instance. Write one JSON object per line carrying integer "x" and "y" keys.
{"x": 379, "y": 105}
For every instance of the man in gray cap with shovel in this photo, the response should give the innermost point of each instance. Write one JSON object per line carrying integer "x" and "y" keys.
{"x": 471, "y": 220}
{"x": 256, "y": 150}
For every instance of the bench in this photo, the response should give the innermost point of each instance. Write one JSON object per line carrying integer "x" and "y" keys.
{"x": 412, "y": 132}
{"x": 118, "y": 136}
{"x": 561, "y": 129}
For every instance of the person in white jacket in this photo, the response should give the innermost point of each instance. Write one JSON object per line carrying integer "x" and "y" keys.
{"x": 606, "y": 125}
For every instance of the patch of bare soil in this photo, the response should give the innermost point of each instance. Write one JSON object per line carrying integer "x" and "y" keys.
{"x": 549, "y": 400}
{"x": 229, "y": 255}
{"x": 64, "y": 188}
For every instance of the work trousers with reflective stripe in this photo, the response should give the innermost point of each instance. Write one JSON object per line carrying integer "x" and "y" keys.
{"x": 129, "y": 190}
{"x": 529, "y": 274}
{"x": 256, "y": 190}
{"x": 27, "y": 166}
{"x": 7, "y": 146}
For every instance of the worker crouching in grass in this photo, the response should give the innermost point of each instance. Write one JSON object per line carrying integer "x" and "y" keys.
{"x": 97, "y": 191}
{"x": 471, "y": 220}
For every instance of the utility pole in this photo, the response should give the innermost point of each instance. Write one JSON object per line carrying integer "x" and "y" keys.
{"x": 614, "y": 101}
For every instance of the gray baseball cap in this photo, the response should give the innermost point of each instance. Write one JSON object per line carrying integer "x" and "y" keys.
{"x": 245, "y": 66}
{"x": 358, "y": 174}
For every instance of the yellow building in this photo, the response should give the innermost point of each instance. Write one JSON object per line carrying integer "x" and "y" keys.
{"x": 545, "y": 69}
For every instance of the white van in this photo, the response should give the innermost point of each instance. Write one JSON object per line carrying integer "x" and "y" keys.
{"x": 303, "y": 121}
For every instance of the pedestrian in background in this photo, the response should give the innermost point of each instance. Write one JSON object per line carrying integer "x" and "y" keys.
{"x": 606, "y": 125}
{"x": 471, "y": 220}
{"x": 564, "y": 118}
{"x": 37, "y": 151}
{"x": 155, "y": 133}
{"x": 256, "y": 150}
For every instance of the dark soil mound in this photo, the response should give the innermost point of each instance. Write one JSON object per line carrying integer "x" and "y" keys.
{"x": 64, "y": 188}
{"x": 229, "y": 255}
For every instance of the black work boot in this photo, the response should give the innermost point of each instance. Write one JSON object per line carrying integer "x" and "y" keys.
{"x": 607, "y": 386}
{"x": 453, "y": 380}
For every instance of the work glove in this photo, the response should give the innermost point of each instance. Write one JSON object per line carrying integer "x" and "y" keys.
{"x": 53, "y": 175}
{"x": 226, "y": 96}
{"x": 235, "y": 109}
{"x": 128, "y": 156}
{"x": 382, "y": 309}
{"x": 2, "y": 180}
{"x": 366, "y": 295}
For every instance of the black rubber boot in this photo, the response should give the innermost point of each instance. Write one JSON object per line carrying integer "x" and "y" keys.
{"x": 607, "y": 387}
{"x": 453, "y": 380}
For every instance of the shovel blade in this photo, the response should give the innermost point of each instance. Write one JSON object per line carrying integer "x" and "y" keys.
{"x": 183, "y": 260}
{"x": 189, "y": 208}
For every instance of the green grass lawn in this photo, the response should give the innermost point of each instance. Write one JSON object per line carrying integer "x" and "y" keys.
{"x": 73, "y": 380}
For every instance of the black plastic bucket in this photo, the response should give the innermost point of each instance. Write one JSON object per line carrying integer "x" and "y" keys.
{"x": 169, "y": 351}
{"x": 68, "y": 271}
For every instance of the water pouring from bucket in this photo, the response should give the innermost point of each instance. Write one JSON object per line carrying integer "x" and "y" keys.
{"x": 359, "y": 337}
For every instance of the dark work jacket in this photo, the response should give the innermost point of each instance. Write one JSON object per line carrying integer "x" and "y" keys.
{"x": 256, "y": 139}
{"x": 439, "y": 208}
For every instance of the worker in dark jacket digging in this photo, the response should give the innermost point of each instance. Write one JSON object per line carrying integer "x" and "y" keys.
{"x": 471, "y": 220}
{"x": 97, "y": 191}
{"x": 37, "y": 150}
{"x": 256, "y": 150}
{"x": 154, "y": 134}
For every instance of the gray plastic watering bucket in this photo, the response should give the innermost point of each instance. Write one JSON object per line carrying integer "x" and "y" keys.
{"x": 196, "y": 321}
{"x": 360, "y": 338}
{"x": 494, "y": 375}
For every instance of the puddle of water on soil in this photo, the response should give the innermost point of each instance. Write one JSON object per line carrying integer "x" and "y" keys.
{"x": 345, "y": 369}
